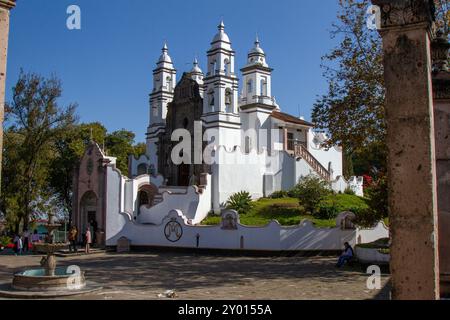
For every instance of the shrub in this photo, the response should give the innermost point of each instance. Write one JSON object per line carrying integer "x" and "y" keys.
{"x": 332, "y": 205}
{"x": 284, "y": 209}
{"x": 4, "y": 241}
{"x": 310, "y": 191}
{"x": 279, "y": 195}
{"x": 377, "y": 201}
{"x": 241, "y": 202}
{"x": 326, "y": 212}
{"x": 349, "y": 191}
{"x": 367, "y": 218}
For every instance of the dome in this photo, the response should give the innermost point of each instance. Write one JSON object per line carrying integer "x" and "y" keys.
{"x": 257, "y": 49}
{"x": 196, "y": 68}
{"x": 165, "y": 58}
{"x": 256, "y": 56}
{"x": 221, "y": 39}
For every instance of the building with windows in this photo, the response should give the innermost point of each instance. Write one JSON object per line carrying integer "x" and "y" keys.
{"x": 206, "y": 140}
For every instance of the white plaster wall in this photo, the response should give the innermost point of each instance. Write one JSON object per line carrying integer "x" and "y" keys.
{"x": 272, "y": 237}
{"x": 236, "y": 171}
{"x": 115, "y": 221}
{"x": 370, "y": 235}
{"x": 372, "y": 256}
{"x": 333, "y": 155}
{"x": 134, "y": 163}
{"x": 195, "y": 206}
{"x": 355, "y": 183}
{"x": 308, "y": 237}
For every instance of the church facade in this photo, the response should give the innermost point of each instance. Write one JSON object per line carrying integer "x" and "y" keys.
{"x": 229, "y": 140}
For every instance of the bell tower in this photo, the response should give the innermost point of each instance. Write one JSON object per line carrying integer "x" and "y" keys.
{"x": 220, "y": 106}
{"x": 257, "y": 86}
{"x": 164, "y": 81}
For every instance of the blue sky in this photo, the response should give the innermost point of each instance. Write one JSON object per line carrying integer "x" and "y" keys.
{"x": 106, "y": 67}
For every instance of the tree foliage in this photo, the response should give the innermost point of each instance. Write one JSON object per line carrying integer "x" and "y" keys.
{"x": 35, "y": 121}
{"x": 310, "y": 190}
{"x": 43, "y": 145}
{"x": 352, "y": 111}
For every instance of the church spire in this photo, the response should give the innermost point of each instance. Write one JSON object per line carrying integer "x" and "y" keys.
{"x": 221, "y": 26}
{"x": 197, "y": 73}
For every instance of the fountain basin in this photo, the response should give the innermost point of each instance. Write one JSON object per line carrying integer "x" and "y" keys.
{"x": 36, "y": 280}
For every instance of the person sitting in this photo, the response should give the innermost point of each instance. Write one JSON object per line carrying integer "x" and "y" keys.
{"x": 346, "y": 256}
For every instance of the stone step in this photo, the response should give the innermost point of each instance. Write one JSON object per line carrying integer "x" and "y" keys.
{"x": 80, "y": 252}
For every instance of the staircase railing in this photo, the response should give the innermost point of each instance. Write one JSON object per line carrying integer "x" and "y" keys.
{"x": 301, "y": 151}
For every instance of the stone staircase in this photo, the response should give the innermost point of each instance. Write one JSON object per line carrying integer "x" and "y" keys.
{"x": 301, "y": 151}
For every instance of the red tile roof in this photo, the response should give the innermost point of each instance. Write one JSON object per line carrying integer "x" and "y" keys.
{"x": 291, "y": 119}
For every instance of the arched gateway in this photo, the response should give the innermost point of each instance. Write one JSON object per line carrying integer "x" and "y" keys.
{"x": 89, "y": 209}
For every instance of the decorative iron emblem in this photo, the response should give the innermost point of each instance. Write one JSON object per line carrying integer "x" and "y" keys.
{"x": 173, "y": 231}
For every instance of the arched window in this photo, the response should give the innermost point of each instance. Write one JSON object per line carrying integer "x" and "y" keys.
{"x": 211, "y": 97}
{"x": 142, "y": 169}
{"x": 214, "y": 67}
{"x": 228, "y": 97}
{"x": 155, "y": 110}
{"x": 249, "y": 86}
{"x": 247, "y": 144}
{"x": 226, "y": 67}
{"x": 169, "y": 83}
{"x": 263, "y": 88}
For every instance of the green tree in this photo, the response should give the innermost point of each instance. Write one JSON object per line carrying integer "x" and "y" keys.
{"x": 352, "y": 111}
{"x": 310, "y": 190}
{"x": 120, "y": 144}
{"x": 377, "y": 200}
{"x": 34, "y": 121}
{"x": 140, "y": 149}
{"x": 69, "y": 148}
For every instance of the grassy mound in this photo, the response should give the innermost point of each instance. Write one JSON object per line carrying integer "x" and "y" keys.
{"x": 286, "y": 211}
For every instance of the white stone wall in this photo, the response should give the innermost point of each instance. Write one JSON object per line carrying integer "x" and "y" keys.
{"x": 355, "y": 183}
{"x": 333, "y": 155}
{"x": 272, "y": 237}
{"x": 194, "y": 205}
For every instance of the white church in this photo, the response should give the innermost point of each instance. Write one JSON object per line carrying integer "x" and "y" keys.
{"x": 241, "y": 140}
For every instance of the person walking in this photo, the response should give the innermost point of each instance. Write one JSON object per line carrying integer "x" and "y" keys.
{"x": 88, "y": 240}
{"x": 18, "y": 245}
{"x": 73, "y": 239}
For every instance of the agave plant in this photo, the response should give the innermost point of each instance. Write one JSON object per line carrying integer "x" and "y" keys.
{"x": 241, "y": 202}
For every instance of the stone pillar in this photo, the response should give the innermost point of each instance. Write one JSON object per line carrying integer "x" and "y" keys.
{"x": 441, "y": 96}
{"x": 406, "y": 28}
{"x": 5, "y": 6}
{"x": 285, "y": 139}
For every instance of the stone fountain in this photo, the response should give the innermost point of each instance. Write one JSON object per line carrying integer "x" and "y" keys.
{"x": 48, "y": 281}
